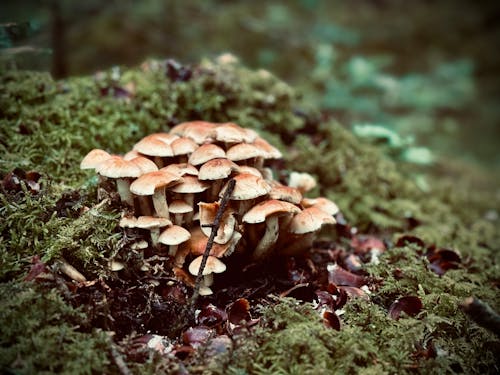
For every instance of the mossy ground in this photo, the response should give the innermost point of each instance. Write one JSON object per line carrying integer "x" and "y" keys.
{"x": 48, "y": 126}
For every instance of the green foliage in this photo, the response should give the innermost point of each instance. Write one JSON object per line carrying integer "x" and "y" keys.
{"x": 37, "y": 326}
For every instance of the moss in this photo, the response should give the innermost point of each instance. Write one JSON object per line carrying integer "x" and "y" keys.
{"x": 48, "y": 126}
{"x": 36, "y": 329}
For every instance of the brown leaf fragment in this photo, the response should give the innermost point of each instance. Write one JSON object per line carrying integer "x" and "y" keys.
{"x": 408, "y": 240}
{"x": 410, "y": 305}
{"x": 211, "y": 316}
{"x": 196, "y": 336}
{"x": 442, "y": 260}
{"x": 339, "y": 276}
{"x": 331, "y": 320}
{"x": 239, "y": 311}
{"x": 38, "y": 271}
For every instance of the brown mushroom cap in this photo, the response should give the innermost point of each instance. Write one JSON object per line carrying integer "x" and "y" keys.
{"x": 183, "y": 146}
{"x": 227, "y": 225}
{"x": 155, "y": 145}
{"x": 181, "y": 169}
{"x": 259, "y": 212}
{"x": 217, "y": 169}
{"x": 190, "y": 184}
{"x": 198, "y": 131}
{"x": 145, "y": 164}
{"x": 250, "y": 170}
{"x": 244, "y": 151}
{"x": 144, "y": 222}
{"x": 302, "y": 181}
{"x": 117, "y": 167}
{"x": 270, "y": 151}
{"x": 205, "y": 153}
{"x": 174, "y": 235}
{"x": 213, "y": 265}
{"x": 310, "y": 220}
{"x": 149, "y": 182}
{"x": 248, "y": 186}
{"x": 94, "y": 158}
{"x": 232, "y": 133}
{"x": 179, "y": 206}
{"x": 285, "y": 193}
{"x": 322, "y": 203}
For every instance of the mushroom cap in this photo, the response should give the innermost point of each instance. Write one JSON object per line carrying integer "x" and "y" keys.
{"x": 149, "y": 182}
{"x": 285, "y": 193}
{"x": 260, "y": 212}
{"x": 144, "y": 222}
{"x": 179, "y": 206}
{"x": 243, "y": 151}
{"x": 230, "y": 132}
{"x": 117, "y": 167}
{"x": 217, "y": 169}
{"x": 197, "y": 244}
{"x": 302, "y": 181}
{"x": 155, "y": 145}
{"x": 247, "y": 186}
{"x": 181, "y": 169}
{"x": 213, "y": 265}
{"x": 94, "y": 158}
{"x": 198, "y": 131}
{"x": 310, "y": 220}
{"x": 270, "y": 151}
{"x": 208, "y": 211}
{"x": 322, "y": 203}
{"x": 250, "y": 170}
{"x": 132, "y": 154}
{"x": 205, "y": 153}
{"x": 190, "y": 184}
{"x": 145, "y": 164}
{"x": 183, "y": 146}
{"x": 174, "y": 235}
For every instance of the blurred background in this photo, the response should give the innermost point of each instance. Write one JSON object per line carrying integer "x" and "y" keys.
{"x": 420, "y": 78}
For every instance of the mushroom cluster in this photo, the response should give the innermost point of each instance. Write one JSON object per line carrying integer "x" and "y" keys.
{"x": 172, "y": 184}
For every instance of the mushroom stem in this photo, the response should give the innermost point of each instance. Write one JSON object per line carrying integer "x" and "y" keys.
{"x": 160, "y": 203}
{"x": 208, "y": 280}
{"x": 123, "y": 188}
{"x": 189, "y": 198}
{"x": 155, "y": 235}
{"x": 269, "y": 239}
{"x": 172, "y": 250}
{"x": 298, "y": 243}
{"x": 178, "y": 219}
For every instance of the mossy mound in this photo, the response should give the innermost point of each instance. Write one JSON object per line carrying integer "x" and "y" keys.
{"x": 48, "y": 126}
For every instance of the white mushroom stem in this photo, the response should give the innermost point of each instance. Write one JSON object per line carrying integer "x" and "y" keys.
{"x": 123, "y": 188}
{"x": 160, "y": 203}
{"x": 208, "y": 280}
{"x": 178, "y": 218}
{"x": 189, "y": 199}
{"x": 155, "y": 235}
{"x": 172, "y": 250}
{"x": 269, "y": 239}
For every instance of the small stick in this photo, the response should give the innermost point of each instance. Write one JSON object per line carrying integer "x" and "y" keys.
{"x": 482, "y": 314}
{"x": 215, "y": 227}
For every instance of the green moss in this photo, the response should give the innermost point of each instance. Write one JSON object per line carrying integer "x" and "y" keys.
{"x": 37, "y": 327}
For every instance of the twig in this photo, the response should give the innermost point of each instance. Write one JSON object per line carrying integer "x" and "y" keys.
{"x": 215, "y": 227}
{"x": 482, "y": 314}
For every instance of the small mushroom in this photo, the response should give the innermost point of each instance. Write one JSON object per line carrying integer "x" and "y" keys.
{"x": 94, "y": 158}
{"x": 156, "y": 146}
{"x": 216, "y": 171}
{"x": 302, "y": 181}
{"x": 269, "y": 212}
{"x": 206, "y": 152}
{"x": 173, "y": 236}
{"x": 179, "y": 208}
{"x": 188, "y": 187}
{"x": 155, "y": 183}
{"x": 213, "y": 265}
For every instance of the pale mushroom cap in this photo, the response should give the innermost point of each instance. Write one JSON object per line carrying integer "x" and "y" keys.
{"x": 144, "y": 222}
{"x": 213, "y": 265}
{"x": 149, "y": 182}
{"x": 248, "y": 186}
{"x": 322, "y": 203}
{"x": 132, "y": 154}
{"x": 198, "y": 131}
{"x": 152, "y": 145}
{"x": 190, "y": 184}
{"x": 302, "y": 181}
{"x": 145, "y": 164}
{"x": 232, "y": 133}
{"x": 117, "y": 167}
{"x": 94, "y": 158}
{"x": 243, "y": 151}
{"x": 174, "y": 235}
{"x": 208, "y": 211}
{"x": 285, "y": 193}
{"x": 179, "y": 206}
{"x": 250, "y": 170}
{"x": 205, "y": 153}
{"x": 181, "y": 169}
{"x": 271, "y": 152}
{"x": 183, "y": 146}
{"x": 217, "y": 169}
{"x": 260, "y": 212}
{"x": 310, "y": 220}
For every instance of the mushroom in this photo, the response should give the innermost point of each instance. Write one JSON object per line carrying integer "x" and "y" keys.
{"x": 179, "y": 207}
{"x": 246, "y": 189}
{"x": 94, "y": 158}
{"x": 198, "y": 131}
{"x": 182, "y": 147}
{"x": 242, "y": 152}
{"x": 231, "y": 133}
{"x": 213, "y": 265}
{"x": 269, "y": 212}
{"x": 181, "y": 169}
{"x": 303, "y": 227}
{"x": 206, "y": 152}
{"x": 208, "y": 211}
{"x": 302, "y": 181}
{"x": 173, "y": 236}
{"x": 324, "y": 204}
{"x": 216, "y": 170}
{"x": 155, "y": 183}
{"x": 122, "y": 170}
{"x": 285, "y": 193}
{"x": 188, "y": 187}
{"x": 156, "y": 146}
